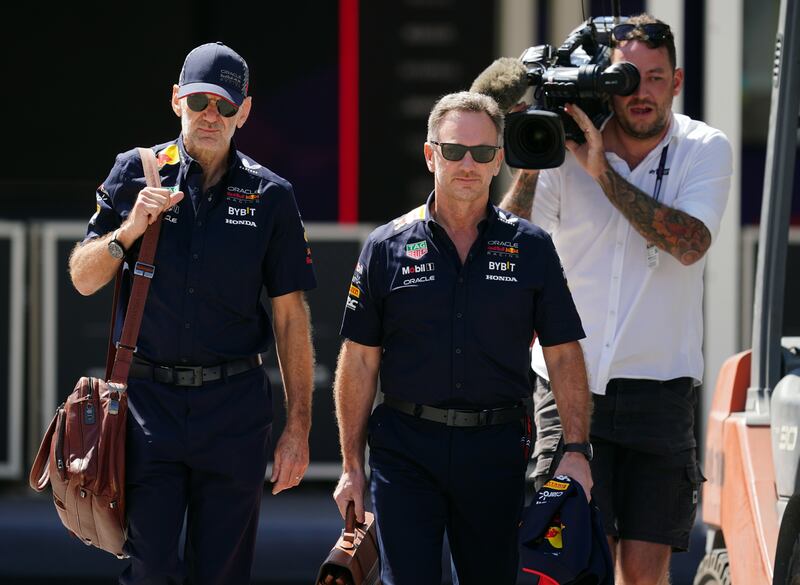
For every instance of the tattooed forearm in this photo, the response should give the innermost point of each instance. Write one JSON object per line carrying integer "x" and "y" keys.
{"x": 519, "y": 199}
{"x": 674, "y": 231}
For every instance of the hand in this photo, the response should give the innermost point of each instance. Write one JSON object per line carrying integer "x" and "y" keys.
{"x": 520, "y": 107}
{"x": 149, "y": 204}
{"x": 577, "y": 467}
{"x": 351, "y": 489}
{"x": 291, "y": 460}
{"x": 591, "y": 154}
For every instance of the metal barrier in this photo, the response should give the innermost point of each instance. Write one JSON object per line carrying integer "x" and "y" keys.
{"x": 72, "y": 330}
{"x": 12, "y": 304}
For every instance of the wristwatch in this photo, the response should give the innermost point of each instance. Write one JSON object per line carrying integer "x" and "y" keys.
{"x": 116, "y": 249}
{"x": 583, "y": 448}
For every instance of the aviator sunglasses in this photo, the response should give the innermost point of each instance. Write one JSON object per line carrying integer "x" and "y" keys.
{"x": 654, "y": 32}
{"x": 198, "y": 102}
{"x": 455, "y": 152}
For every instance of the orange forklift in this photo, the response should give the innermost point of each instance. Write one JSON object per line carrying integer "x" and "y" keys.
{"x": 751, "y": 501}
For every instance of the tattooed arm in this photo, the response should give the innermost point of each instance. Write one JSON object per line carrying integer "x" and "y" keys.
{"x": 519, "y": 199}
{"x": 672, "y": 230}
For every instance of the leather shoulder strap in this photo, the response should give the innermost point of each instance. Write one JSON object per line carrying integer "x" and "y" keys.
{"x": 143, "y": 272}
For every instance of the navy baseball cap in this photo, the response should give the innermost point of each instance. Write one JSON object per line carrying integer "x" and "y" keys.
{"x": 561, "y": 537}
{"x": 215, "y": 68}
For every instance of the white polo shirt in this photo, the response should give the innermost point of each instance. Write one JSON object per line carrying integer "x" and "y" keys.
{"x": 640, "y": 322}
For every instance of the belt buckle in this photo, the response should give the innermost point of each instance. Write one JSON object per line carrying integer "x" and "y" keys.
{"x": 180, "y": 375}
{"x": 484, "y": 416}
{"x": 451, "y": 417}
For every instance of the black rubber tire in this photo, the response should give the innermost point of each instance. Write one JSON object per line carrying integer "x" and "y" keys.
{"x": 793, "y": 571}
{"x": 713, "y": 569}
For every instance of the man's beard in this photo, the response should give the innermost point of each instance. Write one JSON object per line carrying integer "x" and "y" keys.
{"x": 656, "y": 128}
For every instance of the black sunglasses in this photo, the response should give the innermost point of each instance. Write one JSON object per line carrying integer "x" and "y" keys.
{"x": 654, "y": 32}
{"x": 198, "y": 102}
{"x": 480, "y": 154}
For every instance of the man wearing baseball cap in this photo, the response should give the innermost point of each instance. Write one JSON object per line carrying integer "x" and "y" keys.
{"x": 200, "y": 403}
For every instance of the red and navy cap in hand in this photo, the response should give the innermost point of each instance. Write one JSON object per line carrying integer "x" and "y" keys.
{"x": 217, "y": 69}
{"x": 561, "y": 537}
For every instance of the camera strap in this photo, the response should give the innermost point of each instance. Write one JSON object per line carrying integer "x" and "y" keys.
{"x": 660, "y": 172}
{"x": 652, "y": 250}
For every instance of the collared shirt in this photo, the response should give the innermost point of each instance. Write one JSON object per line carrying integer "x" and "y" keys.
{"x": 458, "y": 335}
{"x": 641, "y": 322}
{"x": 216, "y": 251}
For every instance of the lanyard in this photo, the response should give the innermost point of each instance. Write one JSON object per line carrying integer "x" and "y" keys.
{"x": 660, "y": 172}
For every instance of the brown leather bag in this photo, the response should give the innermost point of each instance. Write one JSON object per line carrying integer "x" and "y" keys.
{"x": 82, "y": 455}
{"x": 354, "y": 559}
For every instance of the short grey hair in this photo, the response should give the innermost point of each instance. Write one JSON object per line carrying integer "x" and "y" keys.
{"x": 465, "y": 101}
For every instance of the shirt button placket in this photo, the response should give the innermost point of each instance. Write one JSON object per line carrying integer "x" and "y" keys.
{"x": 458, "y": 331}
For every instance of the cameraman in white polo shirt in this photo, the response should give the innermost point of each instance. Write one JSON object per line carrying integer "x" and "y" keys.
{"x": 632, "y": 212}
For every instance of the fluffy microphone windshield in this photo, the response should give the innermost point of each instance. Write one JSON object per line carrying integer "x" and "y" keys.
{"x": 505, "y": 80}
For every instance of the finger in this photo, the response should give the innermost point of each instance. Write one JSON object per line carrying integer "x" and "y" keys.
{"x": 341, "y": 502}
{"x": 287, "y": 477}
{"x": 577, "y": 114}
{"x": 175, "y": 198}
{"x": 358, "y": 500}
{"x": 276, "y": 467}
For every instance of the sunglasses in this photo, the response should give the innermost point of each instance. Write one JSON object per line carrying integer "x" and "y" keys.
{"x": 654, "y": 32}
{"x": 198, "y": 102}
{"x": 455, "y": 152}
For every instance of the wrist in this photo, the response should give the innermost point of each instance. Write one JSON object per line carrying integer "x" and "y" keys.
{"x": 582, "y": 449}
{"x": 124, "y": 236}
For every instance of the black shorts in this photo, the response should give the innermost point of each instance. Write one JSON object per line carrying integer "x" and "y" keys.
{"x": 645, "y": 471}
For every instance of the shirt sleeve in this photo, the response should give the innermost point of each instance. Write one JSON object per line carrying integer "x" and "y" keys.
{"x": 708, "y": 183}
{"x": 546, "y": 201}
{"x": 287, "y": 266}
{"x": 556, "y": 318}
{"x": 363, "y": 320}
{"x": 106, "y": 218}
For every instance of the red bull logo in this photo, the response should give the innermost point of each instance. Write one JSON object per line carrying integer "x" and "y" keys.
{"x": 553, "y": 535}
{"x": 169, "y": 156}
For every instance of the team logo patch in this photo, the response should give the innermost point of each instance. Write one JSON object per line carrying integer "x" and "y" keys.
{"x": 556, "y": 485}
{"x": 501, "y": 248}
{"x": 169, "y": 156}
{"x": 553, "y": 533}
{"x": 417, "y": 250}
{"x": 241, "y": 195}
{"x": 250, "y": 167}
{"x": 355, "y": 291}
{"x": 415, "y": 268}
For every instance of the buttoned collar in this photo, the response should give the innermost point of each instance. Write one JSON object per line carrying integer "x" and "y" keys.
{"x": 187, "y": 160}
{"x": 488, "y": 220}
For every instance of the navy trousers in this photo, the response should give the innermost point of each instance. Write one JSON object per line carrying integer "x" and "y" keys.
{"x": 198, "y": 454}
{"x": 428, "y": 479}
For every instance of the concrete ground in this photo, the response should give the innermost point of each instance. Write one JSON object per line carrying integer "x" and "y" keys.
{"x": 296, "y": 531}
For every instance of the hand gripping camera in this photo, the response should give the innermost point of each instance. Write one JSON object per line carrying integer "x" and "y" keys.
{"x": 579, "y": 72}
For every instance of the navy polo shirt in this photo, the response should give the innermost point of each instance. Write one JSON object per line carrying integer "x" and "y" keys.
{"x": 458, "y": 335}
{"x": 216, "y": 251}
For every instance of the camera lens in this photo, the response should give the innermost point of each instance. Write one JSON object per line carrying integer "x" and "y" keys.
{"x": 537, "y": 140}
{"x": 534, "y": 139}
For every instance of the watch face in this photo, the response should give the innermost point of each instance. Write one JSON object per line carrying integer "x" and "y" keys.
{"x": 116, "y": 250}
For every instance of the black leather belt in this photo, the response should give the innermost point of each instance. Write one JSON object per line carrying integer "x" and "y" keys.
{"x": 453, "y": 417}
{"x": 191, "y": 375}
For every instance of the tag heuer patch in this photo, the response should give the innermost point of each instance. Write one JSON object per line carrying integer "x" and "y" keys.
{"x": 417, "y": 250}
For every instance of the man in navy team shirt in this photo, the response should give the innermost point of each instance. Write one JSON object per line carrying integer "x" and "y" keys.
{"x": 443, "y": 305}
{"x": 200, "y": 402}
